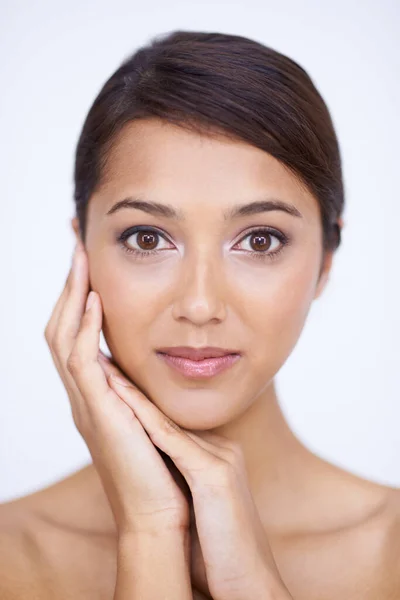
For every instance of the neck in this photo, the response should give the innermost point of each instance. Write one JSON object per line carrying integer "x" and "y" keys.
{"x": 293, "y": 489}
{"x": 277, "y": 463}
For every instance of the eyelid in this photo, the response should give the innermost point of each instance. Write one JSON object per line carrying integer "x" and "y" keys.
{"x": 138, "y": 228}
{"x": 247, "y": 231}
{"x": 254, "y": 228}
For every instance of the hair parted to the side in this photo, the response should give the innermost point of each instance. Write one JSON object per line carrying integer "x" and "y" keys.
{"x": 223, "y": 84}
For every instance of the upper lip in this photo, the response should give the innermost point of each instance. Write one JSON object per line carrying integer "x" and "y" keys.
{"x": 197, "y": 353}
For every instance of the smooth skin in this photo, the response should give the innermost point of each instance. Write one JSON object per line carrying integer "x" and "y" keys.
{"x": 121, "y": 427}
{"x": 297, "y": 524}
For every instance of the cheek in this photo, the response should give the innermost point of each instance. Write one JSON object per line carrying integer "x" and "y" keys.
{"x": 128, "y": 291}
{"x": 277, "y": 313}
{"x": 130, "y": 307}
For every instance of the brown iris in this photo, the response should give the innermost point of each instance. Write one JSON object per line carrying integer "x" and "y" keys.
{"x": 260, "y": 239}
{"x": 149, "y": 240}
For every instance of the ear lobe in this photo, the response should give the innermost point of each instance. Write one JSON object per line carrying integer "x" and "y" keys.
{"x": 324, "y": 274}
{"x": 326, "y": 267}
{"x": 321, "y": 285}
{"x": 75, "y": 227}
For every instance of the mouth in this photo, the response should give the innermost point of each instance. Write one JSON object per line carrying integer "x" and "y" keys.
{"x": 197, "y": 353}
{"x": 199, "y": 363}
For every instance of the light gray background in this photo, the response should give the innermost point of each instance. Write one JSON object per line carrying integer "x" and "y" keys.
{"x": 340, "y": 388}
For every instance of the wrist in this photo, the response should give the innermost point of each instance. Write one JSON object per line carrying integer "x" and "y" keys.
{"x": 153, "y": 564}
{"x": 152, "y": 531}
{"x": 161, "y": 542}
{"x": 261, "y": 586}
{"x": 272, "y": 590}
{"x": 271, "y": 587}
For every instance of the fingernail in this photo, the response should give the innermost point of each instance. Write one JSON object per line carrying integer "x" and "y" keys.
{"x": 90, "y": 300}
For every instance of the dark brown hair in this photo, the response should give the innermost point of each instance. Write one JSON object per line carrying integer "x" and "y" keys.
{"x": 224, "y": 84}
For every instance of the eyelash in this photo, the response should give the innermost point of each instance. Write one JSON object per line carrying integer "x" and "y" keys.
{"x": 262, "y": 255}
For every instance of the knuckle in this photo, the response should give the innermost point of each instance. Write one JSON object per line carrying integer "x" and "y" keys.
{"x": 48, "y": 334}
{"x": 169, "y": 426}
{"x": 225, "y": 472}
{"x": 77, "y": 417}
{"x": 74, "y": 362}
{"x": 82, "y": 427}
{"x": 233, "y": 445}
{"x": 57, "y": 344}
{"x": 69, "y": 333}
{"x": 233, "y": 453}
{"x": 236, "y": 451}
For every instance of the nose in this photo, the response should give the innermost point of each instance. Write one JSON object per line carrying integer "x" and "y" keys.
{"x": 199, "y": 298}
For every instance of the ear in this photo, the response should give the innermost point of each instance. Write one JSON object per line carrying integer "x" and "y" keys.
{"x": 326, "y": 267}
{"x": 324, "y": 274}
{"x": 75, "y": 227}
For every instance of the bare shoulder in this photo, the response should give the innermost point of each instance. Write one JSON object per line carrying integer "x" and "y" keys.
{"x": 393, "y": 536}
{"x": 358, "y": 556}
{"x": 390, "y": 547}
{"x": 377, "y": 542}
{"x": 18, "y": 555}
{"x": 45, "y": 553}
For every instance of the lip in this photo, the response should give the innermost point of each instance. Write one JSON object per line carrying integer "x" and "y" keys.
{"x": 197, "y": 353}
{"x": 200, "y": 369}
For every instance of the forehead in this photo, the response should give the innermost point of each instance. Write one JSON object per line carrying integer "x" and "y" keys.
{"x": 180, "y": 166}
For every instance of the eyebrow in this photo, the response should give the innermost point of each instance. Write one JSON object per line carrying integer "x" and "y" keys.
{"x": 239, "y": 210}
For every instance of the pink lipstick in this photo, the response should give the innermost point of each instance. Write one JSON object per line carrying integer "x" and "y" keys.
{"x": 206, "y": 367}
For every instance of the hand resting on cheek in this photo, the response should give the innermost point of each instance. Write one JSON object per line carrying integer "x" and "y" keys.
{"x": 157, "y": 476}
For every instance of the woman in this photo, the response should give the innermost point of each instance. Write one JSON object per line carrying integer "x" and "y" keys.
{"x": 209, "y": 204}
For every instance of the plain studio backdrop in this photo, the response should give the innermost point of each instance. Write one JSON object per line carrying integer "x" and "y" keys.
{"x": 340, "y": 387}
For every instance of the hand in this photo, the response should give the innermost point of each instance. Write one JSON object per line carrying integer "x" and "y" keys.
{"x": 142, "y": 493}
{"x": 238, "y": 562}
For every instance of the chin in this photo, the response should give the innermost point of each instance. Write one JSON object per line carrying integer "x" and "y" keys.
{"x": 196, "y": 408}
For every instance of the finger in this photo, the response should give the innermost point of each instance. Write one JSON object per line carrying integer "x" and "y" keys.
{"x": 52, "y": 323}
{"x": 55, "y": 342}
{"x": 211, "y": 444}
{"x": 189, "y": 456}
{"x": 74, "y": 307}
{"x": 87, "y": 377}
{"x": 208, "y": 441}
{"x": 83, "y": 360}
{"x": 213, "y": 439}
{"x": 87, "y": 373}
{"x": 110, "y": 368}
{"x": 229, "y": 450}
{"x": 103, "y": 403}
{"x": 108, "y": 365}
{"x": 104, "y": 357}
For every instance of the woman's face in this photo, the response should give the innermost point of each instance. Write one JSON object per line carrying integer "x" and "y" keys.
{"x": 210, "y": 280}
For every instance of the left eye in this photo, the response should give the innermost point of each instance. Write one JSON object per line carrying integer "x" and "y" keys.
{"x": 260, "y": 238}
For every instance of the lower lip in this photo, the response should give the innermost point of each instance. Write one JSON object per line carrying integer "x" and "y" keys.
{"x": 200, "y": 368}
